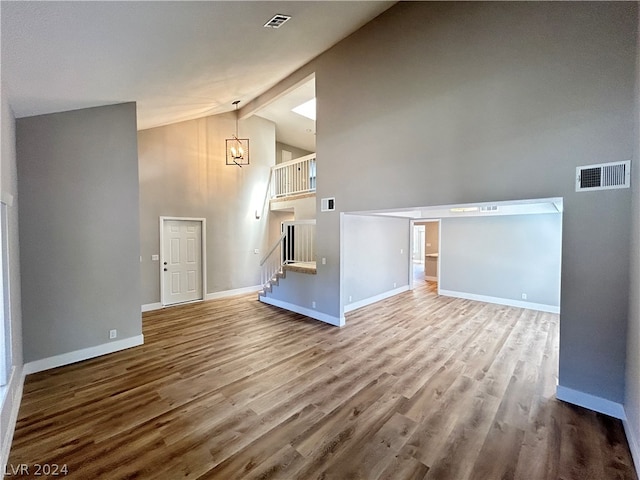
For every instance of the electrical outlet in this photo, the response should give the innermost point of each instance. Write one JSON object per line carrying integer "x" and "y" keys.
{"x": 349, "y": 298}
{"x": 313, "y": 304}
{"x": 324, "y": 261}
{"x": 394, "y": 284}
{"x": 256, "y": 251}
{"x": 155, "y": 258}
{"x": 113, "y": 334}
{"x": 401, "y": 251}
{"x": 524, "y": 296}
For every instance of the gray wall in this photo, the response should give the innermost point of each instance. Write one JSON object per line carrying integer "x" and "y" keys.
{"x": 9, "y": 195}
{"x": 79, "y": 241}
{"x": 632, "y": 394}
{"x": 183, "y": 174}
{"x": 372, "y": 260}
{"x": 295, "y": 151}
{"x": 431, "y": 237}
{"x": 429, "y": 105}
{"x": 503, "y": 257}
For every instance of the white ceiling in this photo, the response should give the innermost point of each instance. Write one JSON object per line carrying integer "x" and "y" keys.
{"x": 178, "y": 60}
{"x": 292, "y": 128}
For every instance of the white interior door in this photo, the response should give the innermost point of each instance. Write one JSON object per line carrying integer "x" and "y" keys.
{"x": 181, "y": 267}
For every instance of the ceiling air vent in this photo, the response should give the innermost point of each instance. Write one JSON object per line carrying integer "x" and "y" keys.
{"x": 603, "y": 176}
{"x": 277, "y": 21}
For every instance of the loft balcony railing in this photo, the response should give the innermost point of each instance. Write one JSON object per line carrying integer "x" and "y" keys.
{"x": 294, "y": 177}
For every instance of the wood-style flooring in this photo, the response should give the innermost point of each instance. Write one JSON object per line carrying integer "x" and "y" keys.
{"x": 414, "y": 387}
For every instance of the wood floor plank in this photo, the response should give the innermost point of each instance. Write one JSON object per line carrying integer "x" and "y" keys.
{"x": 415, "y": 387}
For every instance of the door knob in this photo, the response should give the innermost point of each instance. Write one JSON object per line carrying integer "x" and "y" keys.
{"x": 165, "y": 263}
{"x": 165, "y": 269}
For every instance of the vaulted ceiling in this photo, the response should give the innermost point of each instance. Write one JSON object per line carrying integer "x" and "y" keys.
{"x": 178, "y": 60}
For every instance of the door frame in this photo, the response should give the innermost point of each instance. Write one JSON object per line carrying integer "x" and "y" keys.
{"x": 203, "y": 254}
{"x": 411, "y": 227}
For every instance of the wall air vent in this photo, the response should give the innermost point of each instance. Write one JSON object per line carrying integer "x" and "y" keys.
{"x": 277, "y": 21}
{"x": 603, "y": 176}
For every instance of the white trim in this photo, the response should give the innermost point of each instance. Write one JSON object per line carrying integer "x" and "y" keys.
{"x": 592, "y": 402}
{"x": 500, "y": 301}
{"x": 83, "y": 354}
{"x": 149, "y": 307}
{"x": 203, "y": 247}
{"x": 634, "y": 443}
{"x": 376, "y": 298}
{"x": 323, "y": 317}
{"x": 233, "y": 292}
{"x": 15, "y": 398}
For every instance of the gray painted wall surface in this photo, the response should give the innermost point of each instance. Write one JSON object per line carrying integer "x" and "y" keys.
{"x": 302, "y": 208}
{"x": 503, "y": 257}
{"x": 79, "y": 240}
{"x": 295, "y": 151}
{"x": 372, "y": 260}
{"x": 632, "y": 393}
{"x": 9, "y": 189}
{"x": 183, "y": 174}
{"x": 429, "y": 105}
{"x": 431, "y": 237}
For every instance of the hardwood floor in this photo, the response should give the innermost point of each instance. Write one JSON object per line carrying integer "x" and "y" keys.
{"x": 414, "y": 387}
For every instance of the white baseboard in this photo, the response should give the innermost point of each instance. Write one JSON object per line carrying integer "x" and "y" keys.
{"x": 233, "y": 293}
{"x": 592, "y": 402}
{"x": 501, "y": 301}
{"x": 14, "y": 395}
{"x": 376, "y": 298}
{"x": 84, "y": 354}
{"x": 150, "y": 307}
{"x": 634, "y": 444}
{"x": 431, "y": 279}
{"x": 323, "y": 317}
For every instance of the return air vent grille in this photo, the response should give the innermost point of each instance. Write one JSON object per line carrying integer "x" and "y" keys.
{"x": 277, "y": 21}
{"x": 603, "y": 176}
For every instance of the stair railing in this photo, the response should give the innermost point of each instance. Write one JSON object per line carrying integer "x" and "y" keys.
{"x": 272, "y": 262}
{"x": 295, "y": 245}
